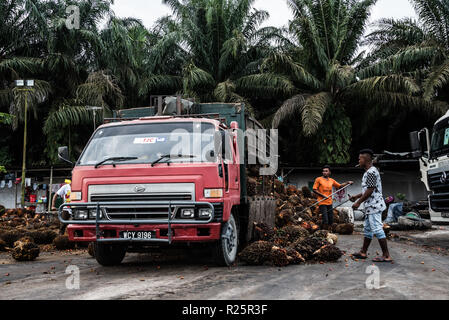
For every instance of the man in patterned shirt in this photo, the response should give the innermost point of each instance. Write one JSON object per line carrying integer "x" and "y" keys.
{"x": 374, "y": 204}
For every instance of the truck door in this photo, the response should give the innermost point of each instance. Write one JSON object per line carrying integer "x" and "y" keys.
{"x": 231, "y": 162}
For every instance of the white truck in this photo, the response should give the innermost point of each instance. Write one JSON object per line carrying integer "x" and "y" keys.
{"x": 433, "y": 154}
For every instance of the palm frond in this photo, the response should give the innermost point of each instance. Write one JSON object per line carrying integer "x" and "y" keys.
{"x": 436, "y": 80}
{"x": 290, "y": 108}
{"x": 160, "y": 84}
{"x": 313, "y": 111}
{"x": 195, "y": 78}
{"x": 283, "y": 64}
{"x": 98, "y": 87}
{"x": 390, "y": 83}
{"x": 68, "y": 116}
{"x": 266, "y": 85}
{"x": 34, "y": 97}
{"x": 405, "y": 60}
{"x": 339, "y": 76}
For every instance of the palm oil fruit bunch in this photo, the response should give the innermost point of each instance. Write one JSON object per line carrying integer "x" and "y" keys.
{"x": 257, "y": 253}
{"x": 328, "y": 252}
{"x": 25, "y": 250}
{"x": 279, "y": 257}
{"x": 63, "y": 243}
{"x": 262, "y": 231}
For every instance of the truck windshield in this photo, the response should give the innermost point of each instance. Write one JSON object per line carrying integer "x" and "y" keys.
{"x": 145, "y": 143}
{"x": 440, "y": 140}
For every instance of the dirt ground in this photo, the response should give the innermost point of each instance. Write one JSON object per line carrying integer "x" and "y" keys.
{"x": 419, "y": 272}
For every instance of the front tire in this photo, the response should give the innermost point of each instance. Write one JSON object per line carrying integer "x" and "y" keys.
{"x": 226, "y": 248}
{"x": 109, "y": 254}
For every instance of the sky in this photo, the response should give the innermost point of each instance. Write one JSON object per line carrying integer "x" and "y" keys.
{"x": 150, "y": 10}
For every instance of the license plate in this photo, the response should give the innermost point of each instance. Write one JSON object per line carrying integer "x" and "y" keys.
{"x": 140, "y": 235}
{"x": 445, "y": 214}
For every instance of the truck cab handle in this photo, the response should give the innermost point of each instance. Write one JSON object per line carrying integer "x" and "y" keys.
{"x": 220, "y": 170}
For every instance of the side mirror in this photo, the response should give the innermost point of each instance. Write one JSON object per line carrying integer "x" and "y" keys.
{"x": 63, "y": 154}
{"x": 415, "y": 144}
{"x": 420, "y": 143}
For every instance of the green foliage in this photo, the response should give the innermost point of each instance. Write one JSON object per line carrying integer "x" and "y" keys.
{"x": 308, "y": 76}
{"x": 401, "y": 197}
{"x": 335, "y": 138}
{"x": 5, "y": 118}
{"x": 420, "y": 48}
{"x": 222, "y": 48}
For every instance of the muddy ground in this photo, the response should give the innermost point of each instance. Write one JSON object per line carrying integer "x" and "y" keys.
{"x": 420, "y": 271}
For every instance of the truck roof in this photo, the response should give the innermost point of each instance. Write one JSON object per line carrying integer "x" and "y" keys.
{"x": 123, "y": 122}
{"x": 443, "y": 117}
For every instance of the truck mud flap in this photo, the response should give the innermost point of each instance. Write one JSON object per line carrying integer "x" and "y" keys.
{"x": 261, "y": 210}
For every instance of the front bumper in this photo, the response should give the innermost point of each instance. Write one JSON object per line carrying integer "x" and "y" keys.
{"x": 180, "y": 233}
{"x": 167, "y": 230}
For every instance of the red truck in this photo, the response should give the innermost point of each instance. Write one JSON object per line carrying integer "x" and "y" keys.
{"x": 146, "y": 180}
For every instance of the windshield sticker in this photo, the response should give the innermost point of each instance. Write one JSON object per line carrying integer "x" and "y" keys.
{"x": 446, "y": 137}
{"x": 151, "y": 140}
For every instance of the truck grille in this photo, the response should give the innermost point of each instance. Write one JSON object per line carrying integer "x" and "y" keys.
{"x": 218, "y": 212}
{"x": 436, "y": 184}
{"x": 134, "y": 213}
{"x": 141, "y": 197}
{"x": 140, "y": 212}
{"x": 439, "y": 202}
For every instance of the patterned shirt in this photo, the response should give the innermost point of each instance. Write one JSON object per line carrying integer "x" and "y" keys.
{"x": 375, "y": 203}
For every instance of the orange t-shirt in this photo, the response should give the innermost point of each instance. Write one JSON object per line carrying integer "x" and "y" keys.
{"x": 324, "y": 186}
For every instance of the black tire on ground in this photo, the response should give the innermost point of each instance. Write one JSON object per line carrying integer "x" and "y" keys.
{"x": 109, "y": 254}
{"x": 225, "y": 250}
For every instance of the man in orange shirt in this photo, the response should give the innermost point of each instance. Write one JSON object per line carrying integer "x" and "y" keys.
{"x": 323, "y": 189}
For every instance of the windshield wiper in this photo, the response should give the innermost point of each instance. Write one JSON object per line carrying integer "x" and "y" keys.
{"x": 170, "y": 156}
{"x": 115, "y": 159}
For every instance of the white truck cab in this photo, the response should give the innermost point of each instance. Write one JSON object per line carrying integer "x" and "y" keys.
{"x": 433, "y": 153}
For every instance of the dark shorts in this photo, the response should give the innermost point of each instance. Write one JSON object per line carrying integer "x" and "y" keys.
{"x": 328, "y": 215}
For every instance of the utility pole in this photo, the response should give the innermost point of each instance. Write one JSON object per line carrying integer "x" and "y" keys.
{"x": 24, "y": 86}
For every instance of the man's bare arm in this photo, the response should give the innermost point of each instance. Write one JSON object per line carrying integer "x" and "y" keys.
{"x": 355, "y": 198}
{"x": 346, "y": 184}
{"x": 53, "y": 201}
{"x": 363, "y": 198}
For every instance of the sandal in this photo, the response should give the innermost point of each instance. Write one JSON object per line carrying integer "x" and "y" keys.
{"x": 382, "y": 259}
{"x": 358, "y": 255}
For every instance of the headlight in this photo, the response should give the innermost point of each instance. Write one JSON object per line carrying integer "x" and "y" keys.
{"x": 188, "y": 213}
{"x": 93, "y": 214}
{"x": 213, "y": 193}
{"x": 75, "y": 196}
{"x": 81, "y": 214}
{"x": 205, "y": 213}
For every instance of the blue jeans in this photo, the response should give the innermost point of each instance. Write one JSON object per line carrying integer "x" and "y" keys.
{"x": 328, "y": 214}
{"x": 373, "y": 226}
{"x": 394, "y": 212}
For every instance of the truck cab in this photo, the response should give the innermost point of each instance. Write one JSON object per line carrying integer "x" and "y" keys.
{"x": 433, "y": 153}
{"x": 160, "y": 180}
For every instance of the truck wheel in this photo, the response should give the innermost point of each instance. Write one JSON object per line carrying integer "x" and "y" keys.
{"x": 226, "y": 247}
{"x": 109, "y": 254}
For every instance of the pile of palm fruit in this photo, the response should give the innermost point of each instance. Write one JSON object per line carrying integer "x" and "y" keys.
{"x": 23, "y": 231}
{"x": 297, "y": 236}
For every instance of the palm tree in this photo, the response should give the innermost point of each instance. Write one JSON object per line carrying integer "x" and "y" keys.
{"x": 20, "y": 43}
{"x": 221, "y": 42}
{"x": 129, "y": 54}
{"x": 419, "y": 48}
{"x": 321, "y": 74}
